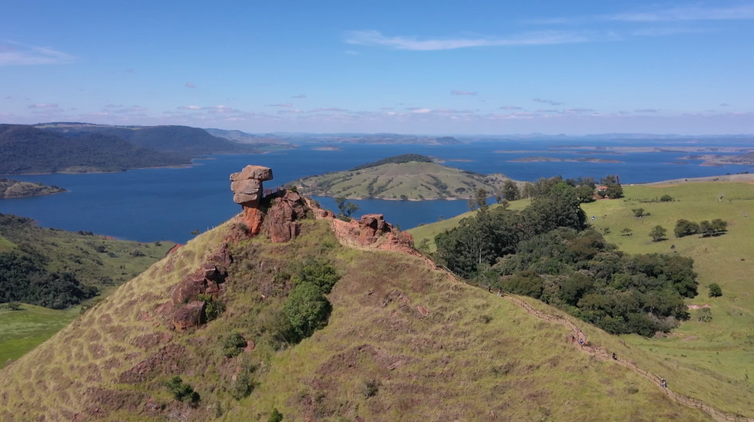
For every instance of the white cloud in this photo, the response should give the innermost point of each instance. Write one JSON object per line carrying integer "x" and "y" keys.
{"x": 328, "y": 109}
{"x": 421, "y": 110}
{"x": 375, "y": 38}
{"x": 280, "y": 105}
{"x": 454, "y": 92}
{"x": 510, "y": 108}
{"x": 48, "y": 106}
{"x": 299, "y": 96}
{"x": 190, "y": 85}
{"x": 550, "y": 102}
{"x": 189, "y": 107}
{"x": 17, "y": 54}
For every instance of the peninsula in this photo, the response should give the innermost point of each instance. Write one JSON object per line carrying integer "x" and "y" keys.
{"x": 10, "y": 188}
{"x": 403, "y": 177}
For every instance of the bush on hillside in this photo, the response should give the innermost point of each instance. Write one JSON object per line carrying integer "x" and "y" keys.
{"x": 275, "y": 416}
{"x": 666, "y": 198}
{"x": 307, "y": 310}
{"x": 182, "y": 391}
{"x": 715, "y": 290}
{"x": 234, "y": 345}
{"x": 714, "y": 228}
{"x": 317, "y": 272}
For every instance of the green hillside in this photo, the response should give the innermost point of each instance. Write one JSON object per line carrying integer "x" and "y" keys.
{"x": 403, "y": 343}
{"x": 398, "y": 179}
{"x": 709, "y": 360}
{"x": 24, "y": 329}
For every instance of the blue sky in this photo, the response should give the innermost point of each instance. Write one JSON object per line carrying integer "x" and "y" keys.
{"x": 430, "y": 67}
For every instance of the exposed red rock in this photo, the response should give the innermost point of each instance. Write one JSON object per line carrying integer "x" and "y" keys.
{"x": 281, "y": 221}
{"x": 190, "y": 315}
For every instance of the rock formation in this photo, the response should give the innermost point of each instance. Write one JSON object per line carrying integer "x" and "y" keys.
{"x": 248, "y": 192}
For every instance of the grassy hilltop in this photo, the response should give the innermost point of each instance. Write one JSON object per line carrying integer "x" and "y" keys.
{"x": 403, "y": 343}
{"x": 409, "y": 176}
{"x": 708, "y": 360}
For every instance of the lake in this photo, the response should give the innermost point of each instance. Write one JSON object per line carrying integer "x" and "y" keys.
{"x": 168, "y": 204}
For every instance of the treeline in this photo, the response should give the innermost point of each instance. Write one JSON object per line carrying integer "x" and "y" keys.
{"x": 398, "y": 159}
{"x": 24, "y": 278}
{"x": 546, "y": 251}
{"x": 706, "y": 228}
{"x": 584, "y": 188}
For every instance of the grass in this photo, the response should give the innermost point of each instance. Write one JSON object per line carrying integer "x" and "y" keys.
{"x": 710, "y": 361}
{"x": 469, "y": 356}
{"x": 714, "y": 359}
{"x": 412, "y": 180}
{"x": 6, "y": 245}
{"x": 23, "y": 330}
{"x": 429, "y": 231}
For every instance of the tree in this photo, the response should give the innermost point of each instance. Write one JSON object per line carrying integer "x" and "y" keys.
{"x": 472, "y": 204}
{"x": 638, "y": 212}
{"x": 719, "y": 226}
{"x": 685, "y": 228}
{"x": 481, "y": 199}
{"x": 715, "y": 290}
{"x": 510, "y": 190}
{"x": 658, "y": 233}
{"x": 505, "y": 204}
{"x": 585, "y": 193}
{"x": 346, "y": 208}
{"x": 307, "y": 309}
{"x": 317, "y": 272}
{"x": 498, "y": 197}
{"x": 666, "y": 198}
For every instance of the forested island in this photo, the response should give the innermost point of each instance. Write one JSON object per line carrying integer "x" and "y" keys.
{"x": 10, "y": 188}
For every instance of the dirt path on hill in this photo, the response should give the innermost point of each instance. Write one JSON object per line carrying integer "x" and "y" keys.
{"x": 602, "y": 354}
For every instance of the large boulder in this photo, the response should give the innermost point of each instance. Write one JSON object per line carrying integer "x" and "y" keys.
{"x": 247, "y": 185}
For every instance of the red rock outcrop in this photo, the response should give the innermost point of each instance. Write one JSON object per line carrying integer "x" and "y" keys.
{"x": 370, "y": 231}
{"x": 248, "y": 192}
{"x": 189, "y": 315}
{"x": 281, "y": 221}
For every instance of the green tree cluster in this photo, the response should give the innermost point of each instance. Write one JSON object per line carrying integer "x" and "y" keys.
{"x": 546, "y": 251}
{"x": 307, "y": 308}
{"x": 24, "y": 278}
{"x": 706, "y": 228}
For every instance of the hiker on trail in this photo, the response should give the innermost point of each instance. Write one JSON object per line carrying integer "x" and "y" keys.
{"x": 664, "y": 384}
{"x": 614, "y": 356}
{"x": 581, "y": 341}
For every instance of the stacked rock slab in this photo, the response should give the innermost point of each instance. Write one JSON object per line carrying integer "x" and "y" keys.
{"x": 248, "y": 192}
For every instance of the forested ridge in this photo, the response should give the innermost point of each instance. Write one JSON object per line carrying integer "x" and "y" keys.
{"x": 26, "y": 149}
{"x": 547, "y": 251}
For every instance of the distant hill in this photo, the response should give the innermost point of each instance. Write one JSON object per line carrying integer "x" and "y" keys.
{"x": 10, "y": 188}
{"x": 259, "y": 141}
{"x": 408, "y": 176}
{"x": 27, "y": 149}
{"x": 185, "y": 140}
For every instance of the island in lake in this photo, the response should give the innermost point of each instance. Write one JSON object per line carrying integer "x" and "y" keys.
{"x": 403, "y": 177}
{"x": 10, "y": 188}
{"x": 715, "y": 160}
{"x": 327, "y": 148}
{"x": 558, "y": 160}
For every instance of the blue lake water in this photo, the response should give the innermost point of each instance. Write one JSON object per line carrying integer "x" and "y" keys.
{"x": 167, "y": 204}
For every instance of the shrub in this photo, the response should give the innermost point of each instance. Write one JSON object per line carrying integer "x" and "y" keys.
{"x": 213, "y": 308}
{"x": 182, "y": 391}
{"x": 14, "y": 306}
{"x": 317, "y": 272}
{"x": 275, "y": 416}
{"x": 715, "y": 290}
{"x": 704, "y": 315}
{"x": 234, "y": 345}
{"x": 638, "y": 212}
{"x": 370, "y": 388}
{"x": 307, "y": 310}
{"x": 666, "y": 198}
{"x": 626, "y": 232}
{"x": 243, "y": 385}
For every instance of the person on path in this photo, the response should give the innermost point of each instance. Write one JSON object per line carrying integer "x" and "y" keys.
{"x": 581, "y": 341}
{"x": 664, "y": 384}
